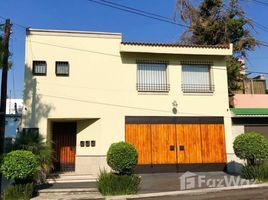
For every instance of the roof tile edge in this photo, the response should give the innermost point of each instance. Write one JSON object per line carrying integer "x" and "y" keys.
{"x": 223, "y": 46}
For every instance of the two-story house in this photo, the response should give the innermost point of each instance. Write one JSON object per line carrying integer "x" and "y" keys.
{"x": 87, "y": 90}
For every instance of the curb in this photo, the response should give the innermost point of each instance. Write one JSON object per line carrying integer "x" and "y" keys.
{"x": 68, "y": 190}
{"x": 185, "y": 192}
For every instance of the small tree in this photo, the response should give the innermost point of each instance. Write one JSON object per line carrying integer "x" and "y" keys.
{"x": 20, "y": 166}
{"x": 122, "y": 157}
{"x": 34, "y": 142}
{"x": 252, "y": 147}
{"x": 215, "y": 22}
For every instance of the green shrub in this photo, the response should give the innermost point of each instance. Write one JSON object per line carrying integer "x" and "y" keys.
{"x": 19, "y": 192}
{"x": 20, "y": 166}
{"x": 252, "y": 147}
{"x": 122, "y": 157}
{"x": 31, "y": 140}
{"x": 256, "y": 172}
{"x": 113, "y": 184}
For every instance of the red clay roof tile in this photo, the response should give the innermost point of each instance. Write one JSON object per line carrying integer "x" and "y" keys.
{"x": 222, "y": 46}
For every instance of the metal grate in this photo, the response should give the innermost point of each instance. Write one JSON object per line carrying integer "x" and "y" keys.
{"x": 152, "y": 77}
{"x": 142, "y": 87}
{"x": 198, "y": 88}
{"x": 39, "y": 67}
{"x": 62, "y": 68}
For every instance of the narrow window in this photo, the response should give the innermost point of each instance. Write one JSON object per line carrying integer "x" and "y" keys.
{"x": 62, "y": 68}
{"x": 152, "y": 77}
{"x": 39, "y": 68}
{"x": 196, "y": 79}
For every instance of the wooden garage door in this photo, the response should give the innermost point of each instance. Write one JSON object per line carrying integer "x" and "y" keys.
{"x": 140, "y": 136}
{"x": 163, "y": 144}
{"x": 213, "y": 143}
{"x": 155, "y": 143}
{"x": 177, "y": 143}
{"x": 189, "y": 143}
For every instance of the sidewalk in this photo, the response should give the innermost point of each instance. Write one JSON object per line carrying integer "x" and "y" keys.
{"x": 256, "y": 192}
{"x": 151, "y": 185}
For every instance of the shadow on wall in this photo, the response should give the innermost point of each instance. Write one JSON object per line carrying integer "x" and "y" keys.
{"x": 83, "y": 124}
{"x": 34, "y": 109}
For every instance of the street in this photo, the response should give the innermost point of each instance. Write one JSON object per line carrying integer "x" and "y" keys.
{"x": 241, "y": 194}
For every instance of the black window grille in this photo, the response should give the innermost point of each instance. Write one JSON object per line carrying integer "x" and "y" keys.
{"x": 62, "y": 68}
{"x": 195, "y": 88}
{"x": 197, "y": 79}
{"x": 39, "y": 68}
{"x": 152, "y": 77}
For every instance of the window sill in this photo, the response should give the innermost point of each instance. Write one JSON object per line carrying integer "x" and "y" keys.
{"x": 198, "y": 93}
{"x": 153, "y": 92}
{"x": 34, "y": 74}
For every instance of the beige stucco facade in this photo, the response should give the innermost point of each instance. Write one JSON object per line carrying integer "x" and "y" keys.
{"x": 101, "y": 88}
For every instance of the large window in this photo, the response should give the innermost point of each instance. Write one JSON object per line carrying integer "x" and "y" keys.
{"x": 62, "y": 68}
{"x": 196, "y": 78}
{"x": 152, "y": 77}
{"x": 39, "y": 68}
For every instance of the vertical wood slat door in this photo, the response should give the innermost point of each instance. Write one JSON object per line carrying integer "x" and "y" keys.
{"x": 189, "y": 143}
{"x": 213, "y": 143}
{"x": 193, "y": 143}
{"x": 140, "y": 136}
{"x": 163, "y": 144}
{"x": 64, "y": 139}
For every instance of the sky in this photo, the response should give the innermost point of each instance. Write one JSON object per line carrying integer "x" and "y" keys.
{"x": 88, "y": 16}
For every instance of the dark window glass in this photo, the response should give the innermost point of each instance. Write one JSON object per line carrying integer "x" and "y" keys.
{"x": 62, "y": 68}
{"x": 39, "y": 68}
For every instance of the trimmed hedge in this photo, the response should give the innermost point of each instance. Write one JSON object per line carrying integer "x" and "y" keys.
{"x": 113, "y": 184}
{"x": 19, "y": 191}
{"x": 122, "y": 157}
{"x": 252, "y": 147}
{"x": 20, "y": 166}
{"x": 257, "y": 172}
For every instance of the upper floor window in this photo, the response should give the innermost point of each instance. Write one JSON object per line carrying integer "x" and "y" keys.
{"x": 152, "y": 77}
{"x": 196, "y": 79}
{"x": 62, "y": 68}
{"x": 39, "y": 68}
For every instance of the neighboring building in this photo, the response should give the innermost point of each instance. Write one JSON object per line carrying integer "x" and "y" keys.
{"x": 13, "y": 117}
{"x": 250, "y": 109}
{"x": 87, "y": 90}
{"x": 14, "y": 106}
{"x": 13, "y": 120}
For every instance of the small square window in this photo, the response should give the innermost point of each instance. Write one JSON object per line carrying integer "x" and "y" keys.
{"x": 39, "y": 68}
{"x": 62, "y": 68}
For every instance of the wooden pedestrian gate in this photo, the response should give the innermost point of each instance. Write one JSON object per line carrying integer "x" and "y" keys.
{"x": 64, "y": 146}
{"x": 178, "y": 147}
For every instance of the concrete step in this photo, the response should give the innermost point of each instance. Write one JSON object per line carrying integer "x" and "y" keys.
{"x": 70, "y": 190}
{"x": 71, "y": 178}
{"x": 68, "y": 187}
{"x": 69, "y": 196}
